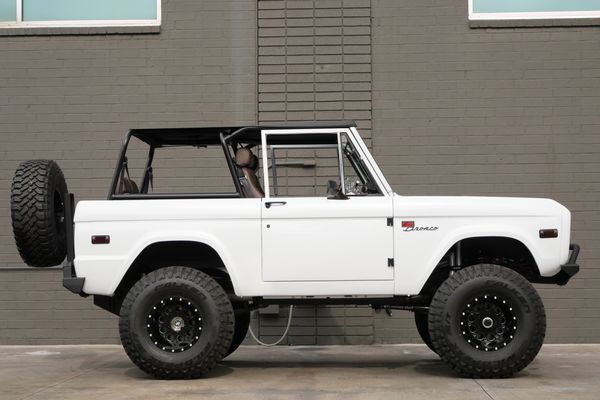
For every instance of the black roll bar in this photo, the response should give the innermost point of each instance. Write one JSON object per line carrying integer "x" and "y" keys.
{"x": 115, "y": 179}
{"x": 224, "y": 142}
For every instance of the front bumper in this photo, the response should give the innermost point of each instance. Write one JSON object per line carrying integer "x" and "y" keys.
{"x": 570, "y": 269}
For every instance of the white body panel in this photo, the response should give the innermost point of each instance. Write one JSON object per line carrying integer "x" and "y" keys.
{"x": 316, "y": 239}
{"x": 314, "y": 246}
{"x": 457, "y": 218}
{"x": 230, "y": 226}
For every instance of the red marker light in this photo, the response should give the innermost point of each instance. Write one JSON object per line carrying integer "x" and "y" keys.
{"x": 100, "y": 239}
{"x": 548, "y": 233}
{"x": 408, "y": 224}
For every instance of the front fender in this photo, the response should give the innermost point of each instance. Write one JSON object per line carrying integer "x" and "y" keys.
{"x": 418, "y": 253}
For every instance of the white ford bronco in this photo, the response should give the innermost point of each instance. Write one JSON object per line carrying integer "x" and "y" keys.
{"x": 309, "y": 219}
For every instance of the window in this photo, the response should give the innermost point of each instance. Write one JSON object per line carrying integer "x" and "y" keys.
{"x": 302, "y": 170}
{"x": 174, "y": 170}
{"x": 79, "y": 13}
{"x": 534, "y": 10}
{"x": 358, "y": 180}
{"x": 313, "y": 166}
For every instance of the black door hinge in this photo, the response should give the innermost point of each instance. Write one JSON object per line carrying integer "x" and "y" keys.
{"x": 390, "y": 262}
{"x": 390, "y": 222}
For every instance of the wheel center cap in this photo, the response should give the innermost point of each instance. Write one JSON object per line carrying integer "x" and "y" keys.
{"x": 177, "y": 323}
{"x": 487, "y": 322}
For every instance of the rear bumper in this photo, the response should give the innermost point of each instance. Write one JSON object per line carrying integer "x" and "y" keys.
{"x": 567, "y": 270}
{"x": 71, "y": 281}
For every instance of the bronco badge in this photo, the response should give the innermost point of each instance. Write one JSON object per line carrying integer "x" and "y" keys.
{"x": 409, "y": 226}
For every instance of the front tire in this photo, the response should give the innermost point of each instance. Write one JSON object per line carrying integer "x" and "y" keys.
{"x": 487, "y": 321}
{"x": 422, "y": 324}
{"x": 176, "y": 323}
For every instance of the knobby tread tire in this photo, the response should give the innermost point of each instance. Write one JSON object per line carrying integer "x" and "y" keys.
{"x": 183, "y": 279}
{"x": 441, "y": 316}
{"x": 242, "y": 322}
{"x": 40, "y": 239}
{"x": 422, "y": 324}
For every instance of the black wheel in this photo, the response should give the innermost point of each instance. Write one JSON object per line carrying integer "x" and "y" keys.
{"x": 176, "y": 323}
{"x": 38, "y": 213}
{"x": 487, "y": 321}
{"x": 242, "y": 322}
{"x": 421, "y": 321}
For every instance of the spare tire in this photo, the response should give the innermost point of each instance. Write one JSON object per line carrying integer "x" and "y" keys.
{"x": 38, "y": 212}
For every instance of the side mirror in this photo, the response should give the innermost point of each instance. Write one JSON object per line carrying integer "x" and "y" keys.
{"x": 334, "y": 191}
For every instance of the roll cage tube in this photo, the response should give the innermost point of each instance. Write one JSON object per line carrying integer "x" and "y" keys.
{"x": 120, "y": 162}
{"x": 147, "y": 178}
{"x": 230, "y": 163}
{"x": 119, "y": 166}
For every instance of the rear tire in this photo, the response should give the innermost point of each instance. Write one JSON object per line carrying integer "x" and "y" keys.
{"x": 38, "y": 213}
{"x": 422, "y": 323}
{"x": 487, "y": 321}
{"x": 242, "y": 322}
{"x": 176, "y": 323}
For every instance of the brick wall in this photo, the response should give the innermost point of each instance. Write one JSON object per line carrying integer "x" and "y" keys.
{"x": 314, "y": 61}
{"x": 72, "y": 98}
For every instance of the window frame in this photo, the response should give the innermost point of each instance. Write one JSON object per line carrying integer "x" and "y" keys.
{"x": 265, "y": 155}
{"x": 19, "y": 23}
{"x": 355, "y": 166}
{"x": 531, "y": 16}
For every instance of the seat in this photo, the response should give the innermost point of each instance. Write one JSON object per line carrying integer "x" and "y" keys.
{"x": 248, "y": 164}
{"x": 127, "y": 186}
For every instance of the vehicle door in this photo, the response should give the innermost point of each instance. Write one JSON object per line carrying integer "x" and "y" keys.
{"x": 324, "y": 218}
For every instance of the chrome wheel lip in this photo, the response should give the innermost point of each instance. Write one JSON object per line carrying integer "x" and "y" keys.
{"x": 174, "y": 324}
{"x": 488, "y": 322}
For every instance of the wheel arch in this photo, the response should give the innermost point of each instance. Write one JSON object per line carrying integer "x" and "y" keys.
{"x": 508, "y": 251}
{"x": 193, "y": 253}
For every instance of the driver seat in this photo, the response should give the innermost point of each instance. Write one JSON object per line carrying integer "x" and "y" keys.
{"x": 248, "y": 164}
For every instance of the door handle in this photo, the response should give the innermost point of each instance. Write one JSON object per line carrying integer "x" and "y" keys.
{"x": 268, "y": 204}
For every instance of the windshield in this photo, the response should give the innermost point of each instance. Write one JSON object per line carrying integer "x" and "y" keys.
{"x": 357, "y": 178}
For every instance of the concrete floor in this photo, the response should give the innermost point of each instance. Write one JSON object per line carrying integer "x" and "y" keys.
{"x": 315, "y": 372}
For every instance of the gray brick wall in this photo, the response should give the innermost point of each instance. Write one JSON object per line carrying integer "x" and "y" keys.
{"x": 314, "y": 61}
{"x": 36, "y": 309}
{"x": 72, "y": 98}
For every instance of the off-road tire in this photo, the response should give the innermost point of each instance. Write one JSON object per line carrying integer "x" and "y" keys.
{"x": 37, "y": 211}
{"x": 217, "y": 323}
{"x": 422, "y": 324}
{"x": 242, "y": 322}
{"x": 458, "y": 292}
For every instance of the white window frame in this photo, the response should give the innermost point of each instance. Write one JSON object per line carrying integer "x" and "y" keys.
{"x": 525, "y": 16}
{"x": 19, "y": 23}
{"x": 352, "y": 133}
